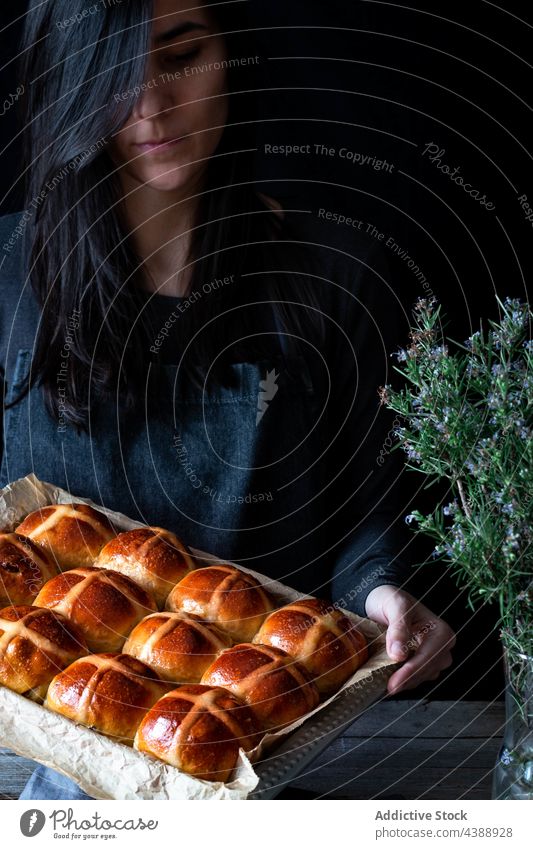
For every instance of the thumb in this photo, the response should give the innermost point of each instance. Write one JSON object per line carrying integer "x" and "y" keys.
{"x": 398, "y": 638}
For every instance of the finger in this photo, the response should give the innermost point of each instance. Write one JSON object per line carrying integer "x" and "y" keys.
{"x": 410, "y": 683}
{"x": 446, "y": 660}
{"x": 410, "y": 675}
{"x": 404, "y": 638}
{"x": 399, "y": 637}
{"x": 434, "y": 639}
{"x": 403, "y": 681}
{"x": 447, "y": 635}
{"x": 432, "y": 655}
{"x": 428, "y": 655}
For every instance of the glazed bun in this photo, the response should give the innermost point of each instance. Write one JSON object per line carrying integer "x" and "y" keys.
{"x": 198, "y": 730}
{"x": 320, "y": 637}
{"x": 104, "y": 605}
{"x": 35, "y": 644}
{"x": 178, "y": 647}
{"x": 153, "y": 557}
{"x": 24, "y": 568}
{"x": 229, "y": 598}
{"x": 72, "y": 534}
{"x": 276, "y": 687}
{"x": 108, "y": 692}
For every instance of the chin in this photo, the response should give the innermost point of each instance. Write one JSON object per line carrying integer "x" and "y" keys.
{"x": 166, "y": 179}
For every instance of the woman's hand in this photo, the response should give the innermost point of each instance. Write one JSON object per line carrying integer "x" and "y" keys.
{"x": 412, "y": 627}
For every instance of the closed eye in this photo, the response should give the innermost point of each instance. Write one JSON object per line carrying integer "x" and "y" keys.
{"x": 181, "y": 58}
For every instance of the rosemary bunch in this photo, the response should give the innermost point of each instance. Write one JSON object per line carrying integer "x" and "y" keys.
{"x": 466, "y": 413}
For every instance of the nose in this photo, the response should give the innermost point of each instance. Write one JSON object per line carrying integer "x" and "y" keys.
{"x": 153, "y": 99}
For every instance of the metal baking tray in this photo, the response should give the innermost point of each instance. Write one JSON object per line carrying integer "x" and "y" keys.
{"x": 291, "y": 757}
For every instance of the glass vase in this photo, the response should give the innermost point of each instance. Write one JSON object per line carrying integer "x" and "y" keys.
{"x": 513, "y": 773}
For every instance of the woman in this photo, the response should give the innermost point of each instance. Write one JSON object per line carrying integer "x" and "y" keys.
{"x": 177, "y": 346}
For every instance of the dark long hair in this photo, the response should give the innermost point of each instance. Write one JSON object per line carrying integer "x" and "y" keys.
{"x": 81, "y": 261}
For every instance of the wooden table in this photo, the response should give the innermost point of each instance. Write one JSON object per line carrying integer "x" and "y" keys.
{"x": 398, "y": 749}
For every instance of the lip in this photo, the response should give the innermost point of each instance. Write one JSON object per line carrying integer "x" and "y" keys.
{"x": 157, "y": 146}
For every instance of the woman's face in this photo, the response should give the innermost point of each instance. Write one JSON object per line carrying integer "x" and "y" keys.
{"x": 180, "y": 114}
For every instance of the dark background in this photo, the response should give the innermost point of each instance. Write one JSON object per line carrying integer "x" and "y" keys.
{"x": 385, "y": 81}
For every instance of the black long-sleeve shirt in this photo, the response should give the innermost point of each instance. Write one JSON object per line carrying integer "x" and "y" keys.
{"x": 287, "y": 471}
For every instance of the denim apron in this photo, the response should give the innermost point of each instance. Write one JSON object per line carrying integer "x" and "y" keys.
{"x": 233, "y": 469}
